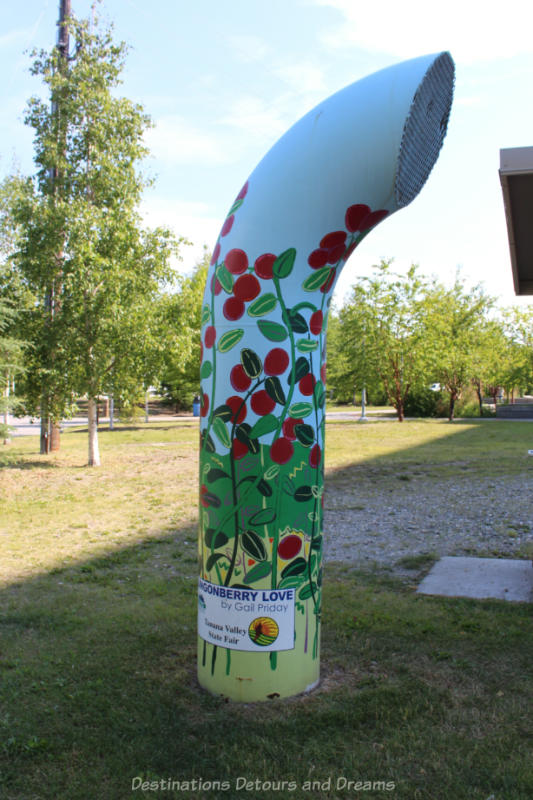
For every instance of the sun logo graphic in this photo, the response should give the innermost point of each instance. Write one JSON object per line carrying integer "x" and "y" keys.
{"x": 263, "y": 631}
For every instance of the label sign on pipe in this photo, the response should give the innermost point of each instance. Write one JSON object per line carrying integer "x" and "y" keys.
{"x": 246, "y": 619}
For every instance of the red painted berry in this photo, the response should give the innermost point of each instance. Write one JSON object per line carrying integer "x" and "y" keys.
{"x": 233, "y": 308}
{"x": 209, "y": 336}
{"x": 238, "y": 449}
{"x": 289, "y": 546}
{"x": 263, "y": 265}
{"x": 281, "y": 450}
{"x": 216, "y": 253}
{"x": 205, "y": 405}
{"x": 288, "y": 427}
{"x": 316, "y": 322}
{"x": 307, "y": 384}
{"x": 244, "y": 191}
{"x": 227, "y": 226}
{"x": 315, "y": 455}
{"x": 246, "y": 288}
{"x": 239, "y": 379}
{"x": 349, "y": 251}
{"x": 355, "y": 215}
{"x": 218, "y": 287}
{"x": 276, "y": 362}
{"x": 329, "y": 283}
{"x": 336, "y": 253}
{"x": 262, "y": 403}
{"x": 373, "y": 218}
{"x": 318, "y": 258}
{"x": 203, "y": 491}
{"x": 236, "y": 261}
{"x": 238, "y": 409}
{"x": 334, "y": 239}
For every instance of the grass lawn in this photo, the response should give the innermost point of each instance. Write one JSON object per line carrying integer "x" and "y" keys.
{"x": 430, "y": 697}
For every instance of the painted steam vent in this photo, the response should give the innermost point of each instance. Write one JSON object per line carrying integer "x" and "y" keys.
{"x": 343, "y": 168}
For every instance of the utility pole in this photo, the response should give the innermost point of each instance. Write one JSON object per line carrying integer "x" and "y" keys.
{"x": 50, "y": 428}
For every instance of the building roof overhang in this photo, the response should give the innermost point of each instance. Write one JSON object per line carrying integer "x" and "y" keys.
{"x": 516, "y": 178}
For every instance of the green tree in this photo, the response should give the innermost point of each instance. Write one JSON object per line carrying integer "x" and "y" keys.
{"x": 181, "y": 319}
{"x": 95, "y": 272}
{"x": 454, "y": 317}
{"x": 383, "y": 333}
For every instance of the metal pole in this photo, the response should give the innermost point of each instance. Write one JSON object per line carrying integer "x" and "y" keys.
{"x": 50, "y": 430}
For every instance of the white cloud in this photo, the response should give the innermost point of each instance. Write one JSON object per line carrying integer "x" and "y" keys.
{"x": 472, "y": 31}
{"x": 176, "y": 141}
{"x": 248, "y": 48}
{"x": 188, "y": 219}
{"x": 302, "y": 77}
{"x": 254, "y": 117}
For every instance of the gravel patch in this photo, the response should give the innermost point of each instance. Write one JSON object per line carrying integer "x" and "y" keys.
{"x": 368, "y": 524}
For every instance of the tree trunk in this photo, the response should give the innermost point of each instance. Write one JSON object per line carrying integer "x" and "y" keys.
{"x": 94, "y": 453}
{"x": 111, "y": 412}
{"x": 399, "y": 410}
{"x": 451, "y": 408}
{"x": 44, "y": 441}
{"x": 55, "y": 436}
{"x": 479, "y": 398}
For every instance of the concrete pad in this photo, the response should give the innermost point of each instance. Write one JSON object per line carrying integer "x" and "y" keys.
{"x": 481, "y": 578}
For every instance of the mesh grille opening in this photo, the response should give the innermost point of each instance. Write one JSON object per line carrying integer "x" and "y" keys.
{"x": 424, "y": 129}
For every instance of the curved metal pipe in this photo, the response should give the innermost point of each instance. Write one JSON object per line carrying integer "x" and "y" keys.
{"x": 353, "y": 160}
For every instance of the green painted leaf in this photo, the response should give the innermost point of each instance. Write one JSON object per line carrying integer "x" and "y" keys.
{"x": 305, "y": 434}
{"x": 265, "y": 488}
{"x": 300, "y": 410}
{"x": 214, "y": 539}
{"x": 295, "y": 567}
{"x": 307, "y": 591}
{"x": 291, "y": 582}
{"x": 242, "y": 432}
{"x": 300, "y": 369}
{"x": 272, "y": 330}
{"x": 303, "y": 494}
{"x": 274, "y": 390}
{"x": 263, "y": 517}
{"x": 216, "y": 474}
{"x": 260, "y": 570}
{"x": 264, "y": 425}
{"x": 212, "y": 560}
{"x": 221, "y": 432}
{"x": 206, "y": 314}
{"x": 319, "y": 394}
{"x": 297, "y": 322}
{"x": 263, "y": 305}
{"x": 208, "y": 443}
{"x": 236, "y": 205}
{"x": 316, "y": 543}
{"x": 253, "y": 545}
{"x": 251, "y": 363}
{"x": 288, "y": 486}
{"x": 224, "y": 412}
{"x": 272, "y": 472}
{"x": 225, "y": 278}
{"x": 306, "y": 345}
{"x": 229, "y": 340}
{"x": 316, "y": 279}
{"x": 284, "y": 263}
{"x": 206, "y": 370}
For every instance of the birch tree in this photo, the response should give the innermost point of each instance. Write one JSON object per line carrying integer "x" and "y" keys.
{"x": 82, "y": 248}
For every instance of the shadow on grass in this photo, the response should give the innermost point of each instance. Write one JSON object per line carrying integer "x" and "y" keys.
{"x": 99, "y": 687}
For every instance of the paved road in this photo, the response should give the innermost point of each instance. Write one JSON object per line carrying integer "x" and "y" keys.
{"x": 30, "y": 426}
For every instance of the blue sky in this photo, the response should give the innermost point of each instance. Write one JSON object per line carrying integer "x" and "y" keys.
{"x": 223, "y": 79}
